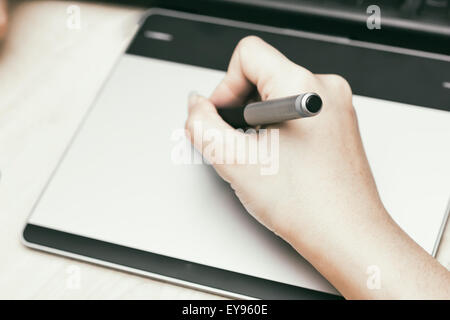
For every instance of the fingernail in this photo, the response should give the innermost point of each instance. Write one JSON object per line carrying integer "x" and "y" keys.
{"x": 192, "y": 99}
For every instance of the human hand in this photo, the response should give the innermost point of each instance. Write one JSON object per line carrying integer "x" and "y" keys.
{"x": 323, "y": 199}
{"x": 323, "y": 177}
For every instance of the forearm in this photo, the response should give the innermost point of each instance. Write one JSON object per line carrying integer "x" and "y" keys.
{"x": 372, "y": 258}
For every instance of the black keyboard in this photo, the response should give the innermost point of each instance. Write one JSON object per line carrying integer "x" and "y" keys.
{"x": 431, "y": 16}
{"x": 414, "y": 24}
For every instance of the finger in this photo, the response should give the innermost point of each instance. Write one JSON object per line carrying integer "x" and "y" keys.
{"x": 3, "y": 18}
{"x": 254, "y": 63}
{"x": 202, "y": 110}
{"x": 211, "y": 135}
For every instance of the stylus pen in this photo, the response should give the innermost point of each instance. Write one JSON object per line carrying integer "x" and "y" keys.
{"x": 272, "y": 111}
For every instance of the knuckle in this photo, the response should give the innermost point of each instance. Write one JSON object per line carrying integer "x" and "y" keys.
{"x": 341, "y": 88}
{"x": 338, "y": 86}
{"x": 340, "y": 83}
{"x": 299, "y": 78}
{"x": 249, "y": 41}
{"x": 303, "y": 76}
{"x": 303, "y": 72}
{"x": 247, "y": 44}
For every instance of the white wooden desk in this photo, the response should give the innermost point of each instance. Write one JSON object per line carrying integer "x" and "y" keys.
{"x": 49, "y": 74}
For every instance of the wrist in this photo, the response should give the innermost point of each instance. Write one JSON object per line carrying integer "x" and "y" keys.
{"x": 324, "y": 237}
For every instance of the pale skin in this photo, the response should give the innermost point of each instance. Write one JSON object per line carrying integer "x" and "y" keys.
{"x": 323, "y": 201}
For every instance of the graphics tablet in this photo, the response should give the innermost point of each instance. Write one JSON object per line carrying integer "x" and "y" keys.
{"x": 119, "y": 199}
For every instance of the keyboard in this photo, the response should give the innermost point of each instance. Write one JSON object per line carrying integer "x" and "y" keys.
{"x": 431, "y": 16}
{"x": 414, "y": 24}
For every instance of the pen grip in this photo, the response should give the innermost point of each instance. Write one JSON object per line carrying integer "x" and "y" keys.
{"x": 234, "y": 116}
{"x": 272, "y": 111}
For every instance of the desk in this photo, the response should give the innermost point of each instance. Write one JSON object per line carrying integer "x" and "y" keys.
{"x": 49, "y": 75}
